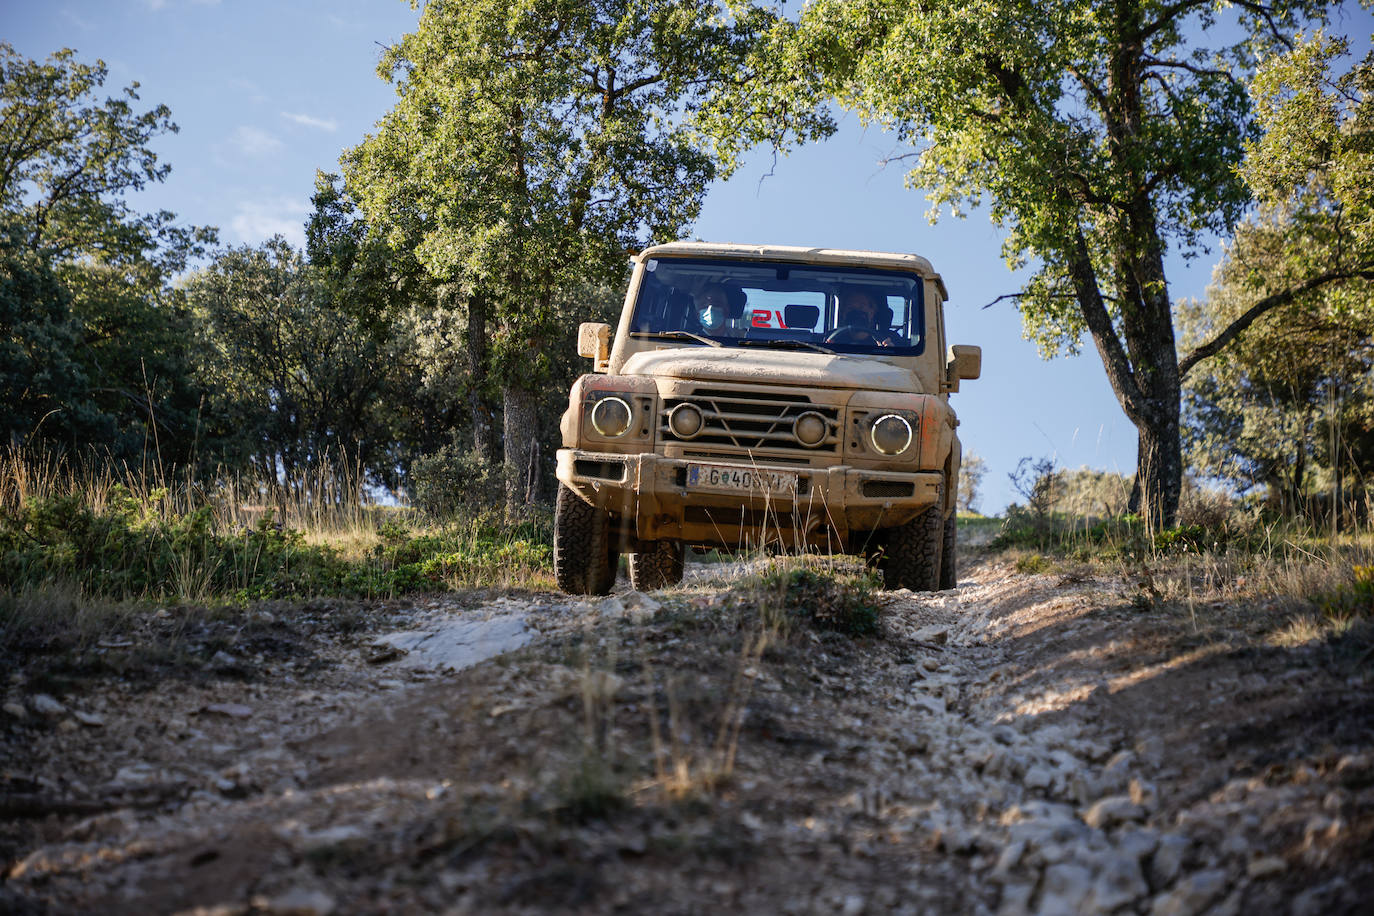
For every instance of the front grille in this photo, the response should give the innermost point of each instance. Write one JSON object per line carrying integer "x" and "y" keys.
{"x": 749, "y": 422}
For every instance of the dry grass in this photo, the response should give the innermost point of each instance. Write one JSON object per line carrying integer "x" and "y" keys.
{"x": 332, "y": 505}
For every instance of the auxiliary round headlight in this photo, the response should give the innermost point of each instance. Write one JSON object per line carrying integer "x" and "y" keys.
{"x": 685, "y": 421}
{"x": 810, "y": 429}
{"x": 611, "y": 417}
{"x": 891, "y": 434}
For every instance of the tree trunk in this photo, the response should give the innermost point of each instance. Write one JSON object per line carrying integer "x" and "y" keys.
{"x": 521, "y": 431}
{"x": 483, "y": 436}
{"x": 1159, "y": 467}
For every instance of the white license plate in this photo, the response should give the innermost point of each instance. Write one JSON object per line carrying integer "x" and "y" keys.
{"x": 725, "y": 477}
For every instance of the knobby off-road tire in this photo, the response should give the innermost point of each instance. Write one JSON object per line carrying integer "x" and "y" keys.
{"x": 912, "y": 557}
{"x": 658, "y": 564}
{"x": 584, "y": 559}
{"x": 949, "y": 572}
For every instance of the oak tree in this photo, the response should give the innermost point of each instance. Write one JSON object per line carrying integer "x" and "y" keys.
{"x": 1101, "y": 135}
{"x": 533, "y": 144}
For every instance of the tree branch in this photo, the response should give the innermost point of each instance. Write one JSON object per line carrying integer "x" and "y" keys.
{"x": 1267, "y": 304}
{"x": 1099, "y": 322}
{"x": 1024, "y": 295}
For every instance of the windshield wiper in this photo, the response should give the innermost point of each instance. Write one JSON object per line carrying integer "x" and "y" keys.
{"x": 678, "y": 335}
{"x": 785, "y": 344}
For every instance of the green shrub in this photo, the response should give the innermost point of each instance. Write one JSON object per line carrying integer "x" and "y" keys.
{"x": 823, "y": 599}
{"x": 1353, "y": 600}
{"x": 455, "y": 481}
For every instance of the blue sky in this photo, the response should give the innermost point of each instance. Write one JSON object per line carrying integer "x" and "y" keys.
{"x": 267, "y": 92}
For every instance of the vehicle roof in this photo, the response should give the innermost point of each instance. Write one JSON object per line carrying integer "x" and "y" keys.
{"x": 837, "y": 256}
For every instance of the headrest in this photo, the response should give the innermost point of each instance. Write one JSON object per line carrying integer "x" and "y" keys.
{"x": 801, "y": 316}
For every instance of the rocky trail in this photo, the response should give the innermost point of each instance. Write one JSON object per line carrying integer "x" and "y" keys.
{"x": 1023, "y": 744}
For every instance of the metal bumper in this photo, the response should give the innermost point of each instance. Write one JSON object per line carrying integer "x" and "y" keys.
{"x": 648, "y": 494}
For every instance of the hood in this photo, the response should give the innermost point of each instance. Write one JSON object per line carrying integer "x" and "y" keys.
{"x": 772, "y": 367}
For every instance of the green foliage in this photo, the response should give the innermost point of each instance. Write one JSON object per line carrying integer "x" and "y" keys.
{"x": 97, "y": 343}
{"x": 1099, "y": 135}
{"x": 132, "y": 550}
{"x": 455, "y": 480}
{"x": 822, "y": 599}
{"x": 533, "y": 143}
{"x": 1287, "y": 406}
{"x": 1352, "y": 600}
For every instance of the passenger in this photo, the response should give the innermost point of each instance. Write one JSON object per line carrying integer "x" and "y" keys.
{"x": 713, "y": 310}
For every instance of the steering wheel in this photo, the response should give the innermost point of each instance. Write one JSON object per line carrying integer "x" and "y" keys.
{"x": 852, "y": 334}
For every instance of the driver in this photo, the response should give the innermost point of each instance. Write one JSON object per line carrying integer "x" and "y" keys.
{"x": 859, "y": 312}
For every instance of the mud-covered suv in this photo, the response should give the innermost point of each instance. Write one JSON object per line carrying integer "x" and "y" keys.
{"x": 793, "y": 398}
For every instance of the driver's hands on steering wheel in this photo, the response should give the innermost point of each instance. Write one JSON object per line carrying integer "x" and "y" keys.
{"x": 854, "y": 334}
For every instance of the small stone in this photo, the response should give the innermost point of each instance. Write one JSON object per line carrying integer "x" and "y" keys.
{"x": 1038, "y": 777}
{"x": 1266, "y": 867}
{"x": 1009, "y": 858}
{"x": 89, "y": 719}
{"x": 15, "y": 710}
{"x": 1139, "y": 844}
{"x": 1168, "y": 858}
{"x": 45, "y": 705}
{"x": 1192, "y": 895}
{"x": 933, "y": 705}
{"x": 936, "y": 635}
{"x": 853, "y": 905}
{"x": 1119, "y": 883}
{"x": 636, "y": 607}
{"x": 67, "y": 725}
{"x": 222, "y": 659}
{"x": 1151, "y": 749}
{"x": 1144, "y": 793}
{"x": 232, "y": 710}
{"x": 1016, "y": 899}
{"x": 1113, "y": 810}
{"x": 298, "y": 901}
{"x": 1065, "y": 888}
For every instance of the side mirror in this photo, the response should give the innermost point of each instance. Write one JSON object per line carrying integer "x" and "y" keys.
{"x": 963, "y": 362}
{"x": 594, "y": 341}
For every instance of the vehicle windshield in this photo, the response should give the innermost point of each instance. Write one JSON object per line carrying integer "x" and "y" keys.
{"x": 748, "y": 303}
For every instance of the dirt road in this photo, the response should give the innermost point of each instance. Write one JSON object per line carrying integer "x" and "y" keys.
{"x": 1020, "y": 744}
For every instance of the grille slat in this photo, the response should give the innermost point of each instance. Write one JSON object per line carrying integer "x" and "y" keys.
{"x": 738, "y": 422}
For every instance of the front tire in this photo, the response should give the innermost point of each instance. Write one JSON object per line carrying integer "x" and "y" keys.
{"x": 912, "y": 557}
{"x": 949, "y": 573}
{"x": 584, "y": 559}
{"x": 657, "y": 564}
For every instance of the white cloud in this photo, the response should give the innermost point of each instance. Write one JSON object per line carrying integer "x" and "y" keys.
{"x": 259, "y": 220}
{"x": 306, "y": 120}
{"x": 250, "y": 141}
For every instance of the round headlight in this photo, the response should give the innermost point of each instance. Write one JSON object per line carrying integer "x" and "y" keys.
{"x": 685, "y": 421}
{"x": 611, "y": 417}
{"x": 810, "y": 429}
{"x": 891, "y": 434}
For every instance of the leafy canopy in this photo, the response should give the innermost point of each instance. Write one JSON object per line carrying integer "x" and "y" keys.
{"x": 1059, "y": 116}
{"x": 535, "y": 142}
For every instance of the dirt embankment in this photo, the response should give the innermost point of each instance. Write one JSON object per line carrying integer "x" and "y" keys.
{"x": 1022, "y": 744}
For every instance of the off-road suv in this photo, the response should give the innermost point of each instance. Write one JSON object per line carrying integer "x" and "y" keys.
{"x": 771, "y": 397}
